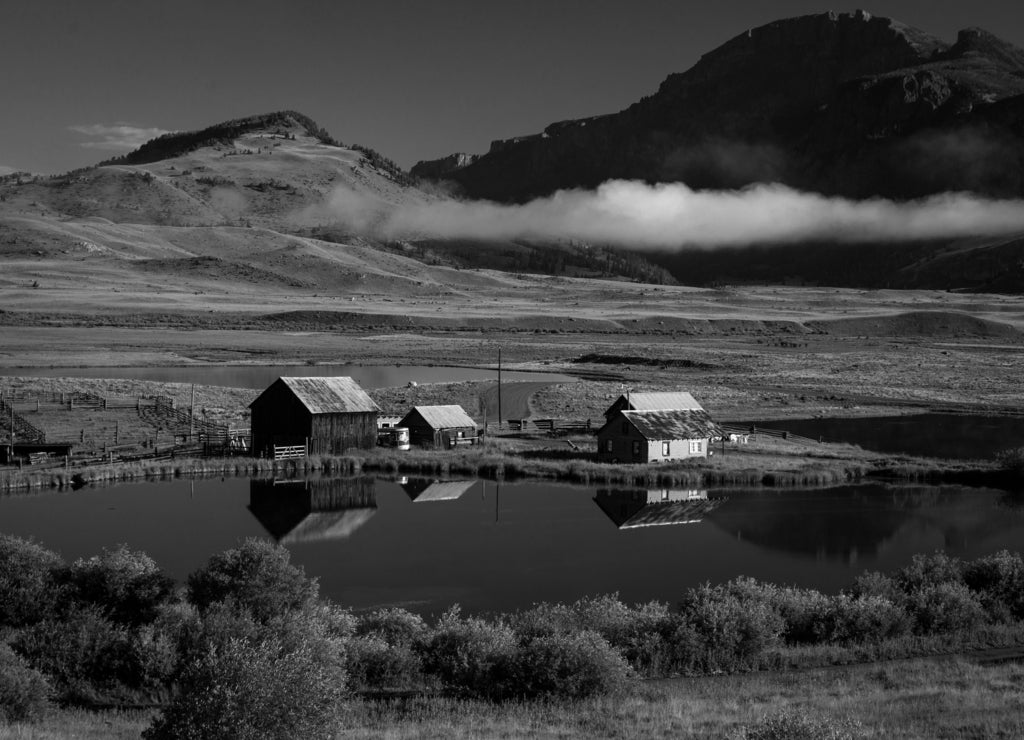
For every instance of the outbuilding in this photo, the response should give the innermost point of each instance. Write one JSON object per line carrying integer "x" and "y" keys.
{"x": 656, "y": 436}
{"x": 323, "y": 415}
{"x": 440, "y": 426}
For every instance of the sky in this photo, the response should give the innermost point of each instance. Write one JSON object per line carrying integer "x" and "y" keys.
{"x": 82, "y": 81}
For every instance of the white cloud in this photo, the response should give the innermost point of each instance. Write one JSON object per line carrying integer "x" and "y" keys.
{"x": 117, "y": 137}
{"x": 635, "y": 214}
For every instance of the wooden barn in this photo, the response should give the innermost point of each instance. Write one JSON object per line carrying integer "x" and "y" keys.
{"x": 655, "y": 401}
{"x": 656, "y": 436}
{"x": 331, "y": 415}
{"x": 440, "y": 426}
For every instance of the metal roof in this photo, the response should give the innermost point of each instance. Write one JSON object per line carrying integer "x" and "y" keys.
{"x": 659, "y": 401}
{"x": 335, "y": 395}
{"x": 441, "y": 417}
{"x": 447, "y": 490}
{"x": 672, "y": 424}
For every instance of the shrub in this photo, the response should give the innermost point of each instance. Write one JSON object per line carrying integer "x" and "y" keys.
{"x": 257, "y": 575}
{"x": 803, "y": 612}
{"x": 873, "y": 583}
{"x": 89, "y": 657}
{"x": 251, "y": 691}
{"x": 862, "y": 619}
{"x": 27, "y": 588}
{"x": 24, "y": 692}
{"x": 929, "y": 570}
{"x": 999, "y": 582}
{"x": 564, "y": 666}
{"x": 1012, "y": 461}
{"x": 127, "y": 585}
{"x": 792, "y": 725}
{"x": 945, "y": 607}
{"x": 462, "y": 653}
{"x": 394, "y": 626}
{"x": 375, "y": 664}
{"x": 733, "y": 626}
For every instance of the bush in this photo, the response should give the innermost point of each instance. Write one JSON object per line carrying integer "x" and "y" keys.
{"x": 257, "y": 575}
{"x": 24, "y": 692}
{"x": 463, "y": 653}
{"x": 394, "y": 626}
{"x": 27, "y": 589}
{"x": 732, "y": 626}
{"x": 255, "y": 691}
{"x": 89, "y": 657}
{"x": 873, "y": 583}
{"x": 999, "y": 582}
{"x": 127, "y": 585}
{"x": 946, "y": 607}
{"x": 863, "y": 619}
{"x": 1012, "y": 461}
{"x": 930, "y": 570}
{"x": 374, "y": 664}
{"x": 563, "y": 666}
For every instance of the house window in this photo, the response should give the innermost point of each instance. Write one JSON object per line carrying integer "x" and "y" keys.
{"x": 664, "y": 449}
{"x": 608, "y": 445}
{"x": 636, "y": 447}
{"x": 461, "y": 434}
{"x": 696, "y": 446}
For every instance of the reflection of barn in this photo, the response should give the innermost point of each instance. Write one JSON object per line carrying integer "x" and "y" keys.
{"x": 638, "y": 508}
{"x": 421, "y": 490}
{"x": 305, "y": 510}
{"x": 440, "y": 426}
{"x": 331, "y": 414}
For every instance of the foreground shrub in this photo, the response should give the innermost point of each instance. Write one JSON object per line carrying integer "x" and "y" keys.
{"x": 926, "y": 571}
{"x": 255, "y": 691}
{"x": 127, "y": 585}
{"x": 999, "y": 582}
{"x": 394, "y": 626}
{"x": 27, "y": 589}
{"x": 727, "y": 627}
{"x": 463, "y": 653}
{"x": 24, "y": 692}
{"x": 863, "y": 619}
{"x": 374, "y": 664}
{"x": 91, "y": 658}
{"x": 257, "y": 575}
{"x": 946, "y": 607}
{"x": 562, "y": 666}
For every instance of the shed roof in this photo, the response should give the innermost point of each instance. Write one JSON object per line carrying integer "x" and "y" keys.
{"x": 673, "y": 424}
{"x": 339, "y": 394}
{"x": 441, "y": 417}
{"x": 657, "y": 401}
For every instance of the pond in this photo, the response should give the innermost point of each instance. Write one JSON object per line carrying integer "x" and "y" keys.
{"x": 950, "y": 436}
{"x": 260, "y": 376}
{"x": 425, "y": 544}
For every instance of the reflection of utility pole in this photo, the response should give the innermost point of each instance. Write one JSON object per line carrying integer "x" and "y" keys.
{"x": 497, "y": 500}
{"x": 499, "y": 388}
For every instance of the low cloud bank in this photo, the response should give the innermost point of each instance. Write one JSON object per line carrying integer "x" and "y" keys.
{"x": 635, "y": 214}
{"x": 117, "y": 137}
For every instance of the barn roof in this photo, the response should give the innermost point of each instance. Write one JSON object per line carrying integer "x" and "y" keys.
{"x": 673, "y": 424}
{"x": 658, "y": 401}
{"x": 441, "y": 417}
{"x": 335, "y": 395}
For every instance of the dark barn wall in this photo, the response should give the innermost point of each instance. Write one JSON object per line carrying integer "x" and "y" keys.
{"x": 278, "y": 417}
{"x": 334, "y": 433}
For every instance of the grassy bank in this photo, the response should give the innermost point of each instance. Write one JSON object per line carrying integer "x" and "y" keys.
{"x": 763, "y": 462}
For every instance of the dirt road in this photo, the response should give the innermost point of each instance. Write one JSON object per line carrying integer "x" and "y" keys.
{"x": 515, "y": 400}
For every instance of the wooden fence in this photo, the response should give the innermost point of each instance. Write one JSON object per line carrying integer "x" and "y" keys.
{"x": 289, "y": 452}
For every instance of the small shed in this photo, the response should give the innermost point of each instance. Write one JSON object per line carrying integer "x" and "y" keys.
{"x": 656, "y": 436}
{"x": 331, "y": 415}
{"x": 440, "y": 426}
{"x": 654, "y": 401}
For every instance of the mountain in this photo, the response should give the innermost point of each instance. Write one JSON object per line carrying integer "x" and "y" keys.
{"x": 270, "y": 200}
{"x": 845, "y": 104}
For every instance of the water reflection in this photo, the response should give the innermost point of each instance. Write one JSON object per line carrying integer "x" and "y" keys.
{"x": 422, "y": 490}
{"x": 314, "y": 509}
{"x": 631, "y": 509}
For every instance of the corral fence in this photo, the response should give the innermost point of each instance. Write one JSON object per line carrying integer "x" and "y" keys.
{"x": 288, "y": 452}
{"x": 751, "y": 430}
{"x": 544, "y": 426}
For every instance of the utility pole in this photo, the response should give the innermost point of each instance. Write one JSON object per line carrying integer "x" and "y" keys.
{"x": 499, "y": 388}
{"x": 192, "y": 414}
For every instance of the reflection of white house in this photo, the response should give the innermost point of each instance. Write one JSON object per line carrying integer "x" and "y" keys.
{"x": 637, "y": 508}
{"x": 421, "y": 491}
{"x": 656, "y": 436}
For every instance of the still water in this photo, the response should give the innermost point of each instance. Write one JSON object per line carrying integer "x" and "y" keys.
{"x": 260, "y": 376}
{"x": 426, "y": 544}
{"x": 951, "y": 436}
